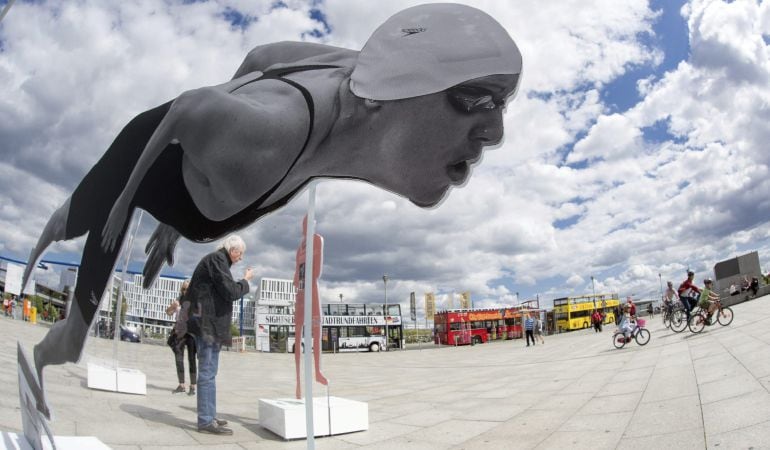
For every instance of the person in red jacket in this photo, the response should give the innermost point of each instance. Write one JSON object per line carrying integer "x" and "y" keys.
{"x": 631, "y": 306}
{"x": 687, "y": 291}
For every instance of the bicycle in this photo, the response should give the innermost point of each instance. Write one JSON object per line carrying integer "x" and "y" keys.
{"x": 669, "y": 311}
{"x": 640, "y": 334}
{"x": 699, "y": 317}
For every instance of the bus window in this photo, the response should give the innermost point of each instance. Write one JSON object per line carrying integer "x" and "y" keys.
{"x": 394, "y": 310}
{"x": 356, "y": 310}
{"x": 357, "y": 332}
{"x": 334, "y": 310}
{"x": 373, "y": 310}
{"x": 455, "y": 326}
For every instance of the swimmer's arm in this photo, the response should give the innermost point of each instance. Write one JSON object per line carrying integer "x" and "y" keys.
{"x": 163, "y": 135}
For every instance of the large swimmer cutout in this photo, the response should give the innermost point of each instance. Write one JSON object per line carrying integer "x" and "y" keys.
{"x": 410, "y": 113}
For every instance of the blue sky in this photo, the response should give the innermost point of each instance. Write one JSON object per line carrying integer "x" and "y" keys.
{"x": 636, "y": 145}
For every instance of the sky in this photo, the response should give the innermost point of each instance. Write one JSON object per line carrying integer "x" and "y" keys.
{"x": 635, "y": 148}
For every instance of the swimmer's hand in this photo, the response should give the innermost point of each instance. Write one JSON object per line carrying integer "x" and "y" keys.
{"x": 159, "y": 249}
{"x": 116, "y": 222}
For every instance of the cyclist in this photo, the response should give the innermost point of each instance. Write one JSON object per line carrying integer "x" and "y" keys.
{"x": 625, "y": 326}
{"x": 708, "y": 299}
{"x": 687, "y": 291}
{"x": 670, "y": 297}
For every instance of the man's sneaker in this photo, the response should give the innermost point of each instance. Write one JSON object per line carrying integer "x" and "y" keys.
{"x": 178, "y": 390}
{"x": 220, "y": 422}
{"x": 213, "y": 428}
{"x": 192, "y": 391}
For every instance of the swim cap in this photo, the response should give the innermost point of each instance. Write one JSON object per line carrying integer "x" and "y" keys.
{"x": 430, "y": 48}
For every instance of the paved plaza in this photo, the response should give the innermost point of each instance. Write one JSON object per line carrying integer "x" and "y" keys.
{"x": 681, "y": 391}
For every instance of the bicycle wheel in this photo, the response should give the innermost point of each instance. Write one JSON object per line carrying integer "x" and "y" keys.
{"x": 642, "y": 336}
{"x": 725, "y": 316}
{"x": 697, "y": 322}
{"x": 678, "y": 321}
{"x": 618, "y": 340}
{"x": 667, "y": 320}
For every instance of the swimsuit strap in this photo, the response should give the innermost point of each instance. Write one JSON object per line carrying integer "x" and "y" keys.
{"x": 279, "y": 74}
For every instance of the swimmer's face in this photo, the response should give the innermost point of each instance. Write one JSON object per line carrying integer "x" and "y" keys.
{"x": 431, "y": 142}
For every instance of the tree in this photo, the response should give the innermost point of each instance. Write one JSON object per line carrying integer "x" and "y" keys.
{"x": 234, "y": 330}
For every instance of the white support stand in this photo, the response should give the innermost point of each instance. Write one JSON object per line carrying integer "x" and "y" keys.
{"x": 13, "y": 441}
{"x": 286, "y": 416}
{"x": 116, "y": 379}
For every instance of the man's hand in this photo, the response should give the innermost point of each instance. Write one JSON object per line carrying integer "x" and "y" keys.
{"x": 249, "y": 274}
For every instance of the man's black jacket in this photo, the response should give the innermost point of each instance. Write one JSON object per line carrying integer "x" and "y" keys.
{"x": 211, "y": 294}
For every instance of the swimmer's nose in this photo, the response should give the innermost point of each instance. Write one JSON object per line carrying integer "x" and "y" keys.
{"x": 490, "y": 132}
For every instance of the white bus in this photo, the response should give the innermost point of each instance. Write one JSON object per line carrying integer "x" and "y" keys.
{"x": 346, "y": 328}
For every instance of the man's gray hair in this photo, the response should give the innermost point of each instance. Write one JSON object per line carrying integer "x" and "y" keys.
{"x": 233, "y": 242}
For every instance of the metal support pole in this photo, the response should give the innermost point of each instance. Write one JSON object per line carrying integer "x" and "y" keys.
{"x": 385, "y": 314}
{"x": 308, "y": 319}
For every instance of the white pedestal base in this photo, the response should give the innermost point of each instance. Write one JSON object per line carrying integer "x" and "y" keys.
{"x": 286, "y": 417}
{"x": 129, "y": 381}
{"x": 13, "y": 441}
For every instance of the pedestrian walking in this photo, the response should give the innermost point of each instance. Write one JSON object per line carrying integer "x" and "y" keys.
{"x": 539, "y": 329}
{"x": 529, "y": 326}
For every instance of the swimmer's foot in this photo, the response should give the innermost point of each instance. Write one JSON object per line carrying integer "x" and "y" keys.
{"x": 32, "y": 376}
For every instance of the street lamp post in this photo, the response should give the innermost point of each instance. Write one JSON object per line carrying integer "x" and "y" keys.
{"x": 593, "y": 289}
{"x": 340, "y": 297}
{"x": 387, "y": 337}
{"x": 660, "y": 278}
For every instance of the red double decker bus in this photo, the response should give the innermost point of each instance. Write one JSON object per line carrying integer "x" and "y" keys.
{"x": 476, "y": 326}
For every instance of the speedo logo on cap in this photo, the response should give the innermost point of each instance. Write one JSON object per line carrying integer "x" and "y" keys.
{"x": 411, "y": 31}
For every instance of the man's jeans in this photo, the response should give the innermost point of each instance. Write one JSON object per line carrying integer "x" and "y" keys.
{"x": 689, "y": 304}
{"x": 208, "y": 365}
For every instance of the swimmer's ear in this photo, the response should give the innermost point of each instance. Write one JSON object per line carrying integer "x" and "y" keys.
{"x": 372, "y": 104}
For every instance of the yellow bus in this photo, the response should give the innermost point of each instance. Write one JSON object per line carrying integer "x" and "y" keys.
{"x": 574, "y": 313}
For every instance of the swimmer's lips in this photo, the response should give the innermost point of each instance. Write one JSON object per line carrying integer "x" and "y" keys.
{"x": 458, "y": 171}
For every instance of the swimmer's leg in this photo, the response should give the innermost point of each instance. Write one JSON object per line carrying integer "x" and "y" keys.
{"x": 55, "y": 230}
{"x": 65, "y": 340}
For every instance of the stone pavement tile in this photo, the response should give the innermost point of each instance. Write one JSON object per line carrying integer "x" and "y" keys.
{"x": 633, "y": 374}
{"x": 493, "y": 410}
{"x": 707, "y": 348}
{"x": 609, "y": 422}
{"x": 612, "y": 403}
{"x": 751, "y": 437}
{"x": 671, "y": 382}
{"x": 535, "y": 422}
{"x": 736, "y": 412}
{"x": 765, "y": 381}
{"x": 523, "y": 441}
{"x": 676, "y": 350}
{"x": 383, "y": 415}
{"x": 128, "y": 432}
{"x": 735, "y": 386}
{"x": 595, "y": 440}
{"x": 710, "y": 370}
{"x": 404, "y": 408}
{"x": 668, "y": 416}
{"x": 563, "y": 402}
{"x": 384, "y": 431}
{"x": 622, "y": 386}
{"x": 679, "y": 440}
{"x": 453, "y": 432}
{"x": 503, "y": 392}
{"x": 406, "y": 443}
{"x": 420, "y": 419}
{"x": 332, "y": 443}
